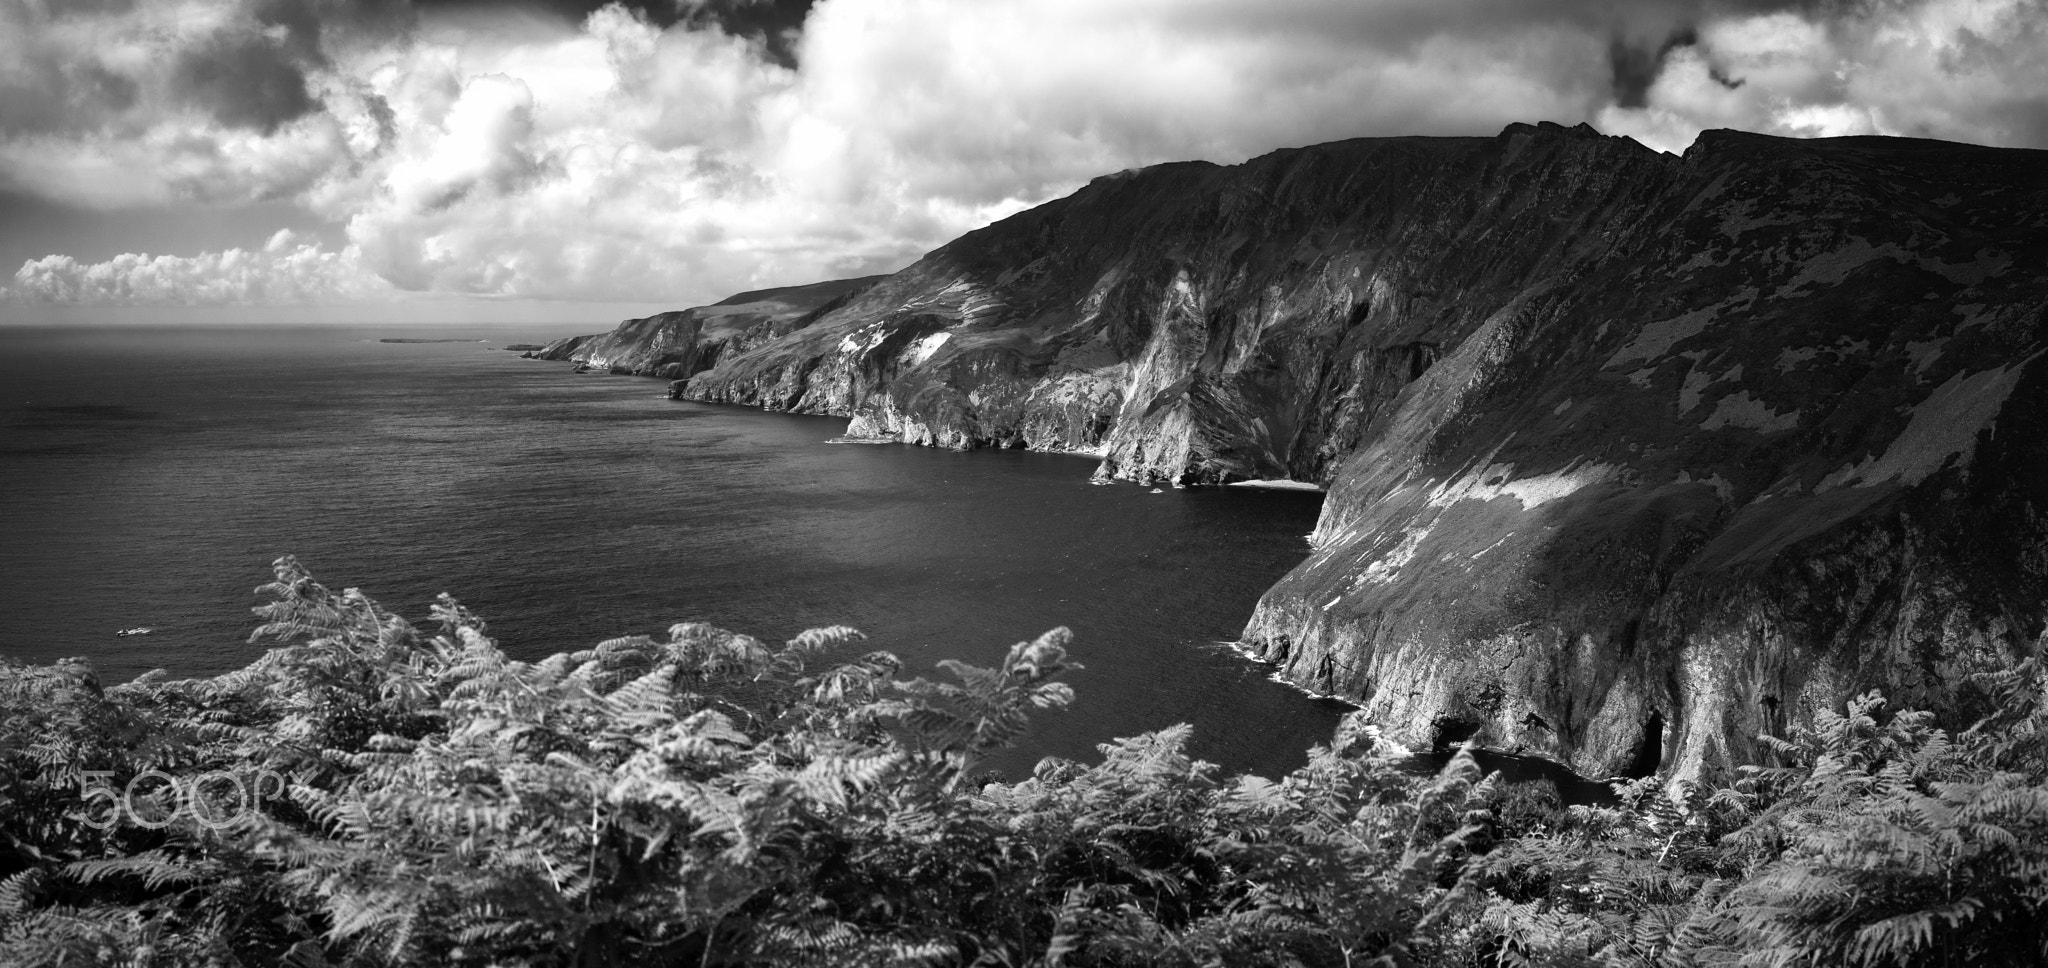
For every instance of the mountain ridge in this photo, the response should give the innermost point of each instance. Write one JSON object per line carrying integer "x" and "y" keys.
{"x": 682, "y": 343}
{"x": 1631, "y": 457}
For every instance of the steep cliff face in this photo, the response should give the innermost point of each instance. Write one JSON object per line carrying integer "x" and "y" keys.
{"x": 683, "y": 343}
{"x": 1199, "y": 324}
{"x": 1631, "y": 457}
{"x": 1769, "y": 439}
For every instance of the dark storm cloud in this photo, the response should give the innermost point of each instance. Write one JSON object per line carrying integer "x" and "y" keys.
{"x": 1641, "y": 33}
{"x": 258, "y": 79}
{"x": 245, "y": 81}
{"x": 1635, "y": 67}
{"x": 1635, "y": 58}
{"x": 301, "y": 25}
{"x": 775, "y": 24}
{"x": 251, "y": 71}
{"x": 661, "y": 13}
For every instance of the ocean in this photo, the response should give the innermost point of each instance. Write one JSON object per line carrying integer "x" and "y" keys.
{"x": 148, "y": 476}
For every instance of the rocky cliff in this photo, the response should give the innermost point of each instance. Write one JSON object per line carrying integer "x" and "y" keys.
{"x": 683, "y": 343}
{"x": 1630, "y": 456}
{"x": 1765, "y": 441}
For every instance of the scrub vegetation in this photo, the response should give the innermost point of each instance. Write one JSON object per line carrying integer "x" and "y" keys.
{"x": 368, "y": 793}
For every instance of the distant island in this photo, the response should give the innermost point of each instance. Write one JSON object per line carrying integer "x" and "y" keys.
{"x": 397, "y": 340}
{"x": 522, "y": 347}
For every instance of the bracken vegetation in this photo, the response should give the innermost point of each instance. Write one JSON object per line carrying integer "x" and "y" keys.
{"x": 401, "y": 797}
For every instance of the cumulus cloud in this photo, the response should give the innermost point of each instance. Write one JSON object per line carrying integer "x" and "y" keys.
{"x": 284, "y": 271}
{"x": 611, "y": 156}
{"x": 244, "y": 78}
{"x": 1005, "y": 98}
{"x": 1962, "y": 70}
{"x": 129, "y": 103}
{"x": 680, "y": 163}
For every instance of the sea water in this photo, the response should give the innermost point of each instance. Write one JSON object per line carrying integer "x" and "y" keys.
{"x": 149, "y": 475}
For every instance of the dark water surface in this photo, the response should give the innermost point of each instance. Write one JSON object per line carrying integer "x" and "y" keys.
{"x": 148, "y": 477}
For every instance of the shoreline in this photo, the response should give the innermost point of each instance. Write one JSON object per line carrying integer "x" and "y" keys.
{"x": 1572, "y": 786}
{"x": 1273, "y": 670}
{"x": 1093, "y": 453}
{"x": 1280, "y": 485}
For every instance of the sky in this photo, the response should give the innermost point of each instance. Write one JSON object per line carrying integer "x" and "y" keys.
{"x": 574, "y": 161}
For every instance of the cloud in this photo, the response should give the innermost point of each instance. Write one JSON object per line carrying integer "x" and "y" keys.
{"x": 467, "y": 149}
{"x": 245, "y": 79}
{"x": 681, "y": 164}
{"x": 1635, "y": 68}
{"x": 976, "y": 103}
{"x": 119, "y": 104}
{"x": 1962, "y": 70}
{"x": 284, "y": 271}
{"x": 774, "y": 24}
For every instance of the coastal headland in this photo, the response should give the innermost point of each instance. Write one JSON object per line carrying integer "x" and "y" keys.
{"x": 1631, "y": 456}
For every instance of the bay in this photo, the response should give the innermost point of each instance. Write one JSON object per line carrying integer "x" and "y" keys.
{"x": 149, "y": 475}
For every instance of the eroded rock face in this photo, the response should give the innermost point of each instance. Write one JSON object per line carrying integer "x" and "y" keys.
{"x": 681, "y": 344}
{"x": 1769, "y": 440}
{"x": 1199, "y": 324}
{"x": 1631, "y": 457}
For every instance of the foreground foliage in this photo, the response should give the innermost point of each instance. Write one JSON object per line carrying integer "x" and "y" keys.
{"x": 706, "y": 799}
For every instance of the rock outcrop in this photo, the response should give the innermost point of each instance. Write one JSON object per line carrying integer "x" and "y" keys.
{"x": 683, "y": 343}
{"x": 1630, "y": 456}
{"x": 1764, "y": 438}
